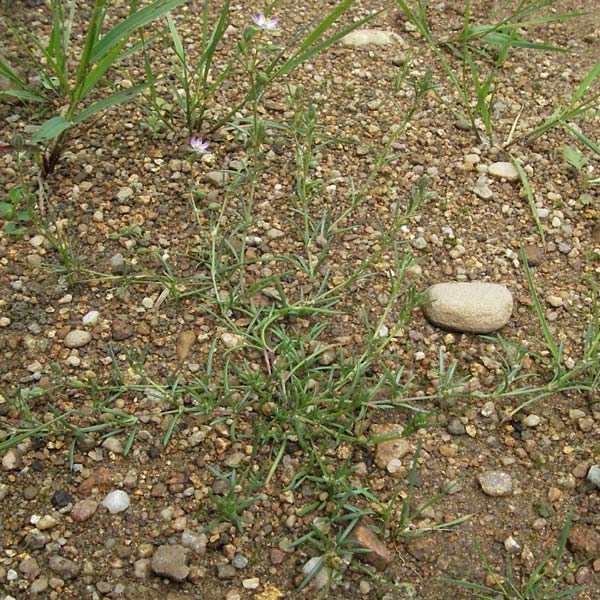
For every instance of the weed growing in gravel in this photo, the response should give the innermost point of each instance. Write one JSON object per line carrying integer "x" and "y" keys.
{"x": 542, "y": 583}
{"x": 404, "y": 526}
{"x": 51, "y": 62}
{"x": 493, "y": 42}
{"x": 260, "y": 58}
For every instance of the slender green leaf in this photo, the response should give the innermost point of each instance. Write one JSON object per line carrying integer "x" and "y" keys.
{"x": 215, "y": 38}
{"x": 24, "y": 95}
{"x": 300, "y": 57}
{"x": 554, "y": 349}
{"x": 177, "y": 45}
{"x": 325, "y": 24}
{"x": 530, "y": 199}
{"x": 50, "y": 129}
{"x": 586, "y": 83}
{"x": 95, "y": 74}
{"x": 11, "y": 74}
{"x": 589, "y": 143}
{"x": 112, "y": 100}
{"x": 138, "y": 19}
{"x": 498, "y": 38}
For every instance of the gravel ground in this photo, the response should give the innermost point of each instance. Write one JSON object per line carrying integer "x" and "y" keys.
{"x": 120, "y": 193}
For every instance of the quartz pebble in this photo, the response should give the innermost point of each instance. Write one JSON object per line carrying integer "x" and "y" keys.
{"x": 503, "y": 170}
{"x": 91, "y": 318}
{"x": 116, "y": 501}
{"x": 321, "y": 577}
{"x": 593, "y": 475}
{"x": 12, "y": 460}
{"x": 531, "y": 421}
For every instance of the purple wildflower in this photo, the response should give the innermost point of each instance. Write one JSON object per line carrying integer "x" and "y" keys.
{"x": 198, "y": 145}
{"x": 264, "y": 22}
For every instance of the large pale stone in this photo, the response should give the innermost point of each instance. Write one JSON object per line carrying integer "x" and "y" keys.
{"x": 504, "y": 170}
{"x": 376, "y": 37}
{"x": 171, "y": 561}
{"x": 473, "y": 307}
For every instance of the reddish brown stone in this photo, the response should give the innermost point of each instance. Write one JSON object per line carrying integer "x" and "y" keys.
{"x": 585, "y": 541}
{"x": 100, "y": 479}
{"x": 84, "y": 510}
{"x": 379, "y": 555}
{"x": 277, "y": 556}
{"x": 121, "y": 330}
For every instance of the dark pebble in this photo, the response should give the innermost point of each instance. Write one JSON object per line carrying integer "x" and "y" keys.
{"x": 60, "y": 499}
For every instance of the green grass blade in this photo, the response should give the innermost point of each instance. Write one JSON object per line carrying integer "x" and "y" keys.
{"x": 325, "y": 24}
{"x": 50, "y": 129}
{"x": 215, "y": 38}
{"x": 23, "y": 95}
{"x": 177, "y": 45}
{"x": 554, "y": 349}
{"x": 138, "y": 19}
{"x": 586, "y": 83}
{"x": 530, "y": 199}
{"x": 499, "y": 38}
{"x": 95, "y": 74}
{"x": 112, "y": 100}
{"x": 303, "y": 54}
{"x": 586, "y": 140}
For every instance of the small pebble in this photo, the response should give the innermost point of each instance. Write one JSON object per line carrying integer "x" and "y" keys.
{"x": 495, "y": 483}
{"x": 455, "y": 427}
{"x": 60, "y": 499}
{"x": 531, "y": 421}
{"x": 12, "y": 460}
{"x": 251, "y": 584}
{"x": 593, "y": 475}
{"x": 77, "y": 338}
{"x": 91, "y": 318}
{"x": 116, "y": 501}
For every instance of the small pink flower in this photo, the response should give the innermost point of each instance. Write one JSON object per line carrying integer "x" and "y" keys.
{"x": 264, "y": 22}
{"x": 198, "y": 145}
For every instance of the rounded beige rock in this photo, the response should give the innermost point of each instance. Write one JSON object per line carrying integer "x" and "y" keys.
{"x": 472, "y": 307}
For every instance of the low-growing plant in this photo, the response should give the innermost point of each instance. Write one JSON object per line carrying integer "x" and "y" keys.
{"x": 545, "y": 582}
{"x": 73, "y": 90}
{"x": 261, "y": 60}
{"x": 16, "y": 212}
{"x": 493, "y": 42}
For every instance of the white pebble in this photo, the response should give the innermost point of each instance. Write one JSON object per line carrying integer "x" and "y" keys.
{"x": 231, "y": 340}
{"x": 555, "y": 301}
{"x": 531, "y": 421}
{"x": 419, "y": 243}
{"x": 73, "y": 361}
{"x": 394, "y": 465}
{"x": 383, "y": 331}
{"x": 251, "y": 584}
{"x": 147, "y": 303}
{"x": 116, "y": 501}
{"x": 91, "y": 318}
{"x": 37, "y": 240}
